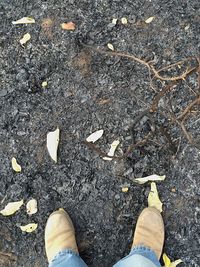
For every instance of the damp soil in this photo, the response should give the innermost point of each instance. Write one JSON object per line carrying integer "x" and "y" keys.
{"x": 88, "y": 91}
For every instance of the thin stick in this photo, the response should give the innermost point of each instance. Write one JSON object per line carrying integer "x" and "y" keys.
{"x": 175, "y": 64}
{"x": 188, "y": 108}
{"x": 144, "y": 63}
{"x": 157, "y": 98}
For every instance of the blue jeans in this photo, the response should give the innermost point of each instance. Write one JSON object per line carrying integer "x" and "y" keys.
{"x": 139, "y": 256}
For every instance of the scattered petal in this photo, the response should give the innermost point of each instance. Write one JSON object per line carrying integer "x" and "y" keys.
{"x": 94, "y": 136}
{"x": 111, "y": 152}
{"x": 124, "y": 21}
{"x": 31, "y": 206}
{"x": 29, "y": 227}
{"x": 149, "y": 20}
{"x": 168, "y": 262}
{"x": 151, "y": 178}
{"x": 25, "y": 38}
{"x": 25, "y": 20}
{"x": 70, "y": 26}
{"x": 16, "y": 167}
{"x": 114, "y": 21}
{"x": 11, "y": 208}
{"x": 44, "y": 84}
{"x": 153, "y": 198}
{"x": 52, "y": 143}
{"x": 125, "y": 189}
{"x": 110, "y": 46}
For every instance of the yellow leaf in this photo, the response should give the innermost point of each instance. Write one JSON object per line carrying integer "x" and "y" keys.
{"x": 149, "y": 20}
{"x": 24, "y": 20}
{"x": 31, "y": 206}
{"x": 125, "y": 189}
{"x": 16, "y": 167}
{"x": 124, "y": 21}
{"x": 110, "y": 46}
{"x": 94, "y": 136}
{"x": 114, "y": 21}
{"x": 187, "y": 27}
{"x": 153, "y": 177}
{"x": 29, "y": 227}
{"x": 25, "y": 38}
{"x": 52, "y": 143}
{"x": 153, "y": 198}
{"x": 44, "y": 84}
{"x": 11, "y": 208}
{"x": 111, "y": 152}
{"x": 168, "y": 262}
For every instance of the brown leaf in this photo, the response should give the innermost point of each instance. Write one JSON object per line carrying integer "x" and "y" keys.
{"x": 104, "y": 101}
{"x": 70, "y": 26}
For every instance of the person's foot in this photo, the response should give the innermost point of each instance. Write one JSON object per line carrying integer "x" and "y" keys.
{"x": 59, "y": 234}
{"x": 149, "y": 231}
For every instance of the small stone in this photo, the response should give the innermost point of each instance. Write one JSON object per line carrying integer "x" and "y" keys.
{"x": 21, "y": 133}
{"x": 3, "y": 92}
{"x": 132, "y": 19}
{"x": 22, "y": 75}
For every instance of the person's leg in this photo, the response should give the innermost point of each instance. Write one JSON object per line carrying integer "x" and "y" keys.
{"x": 147, "y": 242}
{"x": 60, "y": 241}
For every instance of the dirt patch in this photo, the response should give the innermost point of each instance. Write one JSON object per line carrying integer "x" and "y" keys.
{"x": 80, "y": 83}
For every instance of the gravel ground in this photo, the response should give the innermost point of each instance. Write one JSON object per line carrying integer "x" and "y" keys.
{"x": 88, "y": 91}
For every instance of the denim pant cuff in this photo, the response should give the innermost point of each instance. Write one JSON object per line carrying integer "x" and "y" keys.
{"x": 63, "y": 252}
{"x": 145, "y": 252}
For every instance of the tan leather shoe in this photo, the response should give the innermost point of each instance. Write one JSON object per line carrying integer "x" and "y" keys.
{"x": 59, "y": 234}
{"x": 150, "y": 230}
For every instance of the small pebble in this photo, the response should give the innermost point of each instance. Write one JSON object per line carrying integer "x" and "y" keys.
{"x": 117, "y": 197}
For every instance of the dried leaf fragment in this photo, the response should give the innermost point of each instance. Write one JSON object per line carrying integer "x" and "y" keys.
{"x": 25, "y": 38}
{"x": 52, "y": 143}
{"x": 16, "y": 167}
{"x": 149, "y": 20}
{"x": 44, "y": 84}
{"x": 11, "y": 208}
{"x": 168, "y": 262}
{"x": 153, "y": 177}
{"x": 111, "y": 152}
{"x": 70, "y": 26}
{"x": 94, "y": 136}
{"x": 29, "y": 227}
{"x": 124, "y": 21}
{"x": 153, "y": 198}
{"x": 110, "y": 46}
{"x": 31, "y": 206}
{"x": 24, "y": 20}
